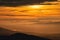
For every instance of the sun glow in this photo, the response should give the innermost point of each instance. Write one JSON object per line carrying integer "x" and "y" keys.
{"x": 35, "y": 6}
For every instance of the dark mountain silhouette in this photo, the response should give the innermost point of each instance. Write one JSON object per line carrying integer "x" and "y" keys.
{"x": 23, "y": 36}
{"x": 17, "y": 36}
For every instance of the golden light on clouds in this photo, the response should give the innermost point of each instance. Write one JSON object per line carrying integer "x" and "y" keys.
{"x": 35, "y": 10}
{"x": 31, "y": 10}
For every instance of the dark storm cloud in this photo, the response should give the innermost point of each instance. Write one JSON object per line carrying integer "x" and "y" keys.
{"x": 21, "y": 2}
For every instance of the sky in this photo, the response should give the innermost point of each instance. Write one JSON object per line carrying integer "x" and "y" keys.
{"x": 32, "y": 21}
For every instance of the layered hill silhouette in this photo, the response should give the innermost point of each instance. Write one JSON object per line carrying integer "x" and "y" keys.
{"x": 18, "y": 36}
{"x": 6, "y": 32}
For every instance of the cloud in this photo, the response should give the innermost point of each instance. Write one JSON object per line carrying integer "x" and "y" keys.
{"x": 21, "y": 2}
{"x": 51, "y": 3}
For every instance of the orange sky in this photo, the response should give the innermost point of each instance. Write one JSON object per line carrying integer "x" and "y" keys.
{"x": 41, "y": 21}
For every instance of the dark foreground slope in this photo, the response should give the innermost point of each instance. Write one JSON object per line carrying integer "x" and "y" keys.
{"x": 21, "y": 36}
